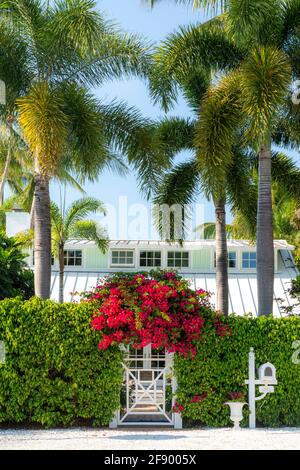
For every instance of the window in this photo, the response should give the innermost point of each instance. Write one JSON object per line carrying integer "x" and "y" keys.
{"x": 73, "y": 258}
{"x": 231, "y": 256}
{"x": 122, "y": 258}
{"x": 178, "y": 259}
{"x": 231, "y": 259}
{"x": 150, "y": 259}
{"x": 249, "y": 260}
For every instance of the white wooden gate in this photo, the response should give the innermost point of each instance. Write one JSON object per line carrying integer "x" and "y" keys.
{"x": 148, "y": 392}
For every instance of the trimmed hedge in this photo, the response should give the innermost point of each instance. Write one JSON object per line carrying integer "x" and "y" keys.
{"x": 221, "y": 367}
{"x": 54, "y": 373}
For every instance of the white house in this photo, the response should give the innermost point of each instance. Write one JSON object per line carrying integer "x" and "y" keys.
{"x": 85, "y": 264}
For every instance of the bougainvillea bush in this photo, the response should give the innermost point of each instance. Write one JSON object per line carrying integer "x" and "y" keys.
{"x": 157, "y": 308}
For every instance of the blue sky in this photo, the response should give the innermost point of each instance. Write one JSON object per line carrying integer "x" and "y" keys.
{"x": 134, "y": 16}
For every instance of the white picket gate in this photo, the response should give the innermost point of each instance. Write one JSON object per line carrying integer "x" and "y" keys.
{"x": 149, "y": 388}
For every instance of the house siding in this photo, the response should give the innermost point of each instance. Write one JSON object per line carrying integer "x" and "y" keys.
{"x": 94, "y": 258}
{"x": 201, "y": 259}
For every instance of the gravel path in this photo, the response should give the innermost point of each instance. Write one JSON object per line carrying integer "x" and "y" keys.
{"x": 134, "y": 439}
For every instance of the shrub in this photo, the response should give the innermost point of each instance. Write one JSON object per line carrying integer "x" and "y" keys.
{"x": 54, "y": 373}
{"x": 221, "y": 367}
{"x": 15, "y": 277}
{"x": 157, "y": 308}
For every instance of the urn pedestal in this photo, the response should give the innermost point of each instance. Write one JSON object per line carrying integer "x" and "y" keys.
{"x": 236, "y": 413}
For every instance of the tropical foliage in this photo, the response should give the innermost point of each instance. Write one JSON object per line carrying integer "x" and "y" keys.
{"x": 16, "y": 279}
{"x": 50, "y": 53}
{"x": 72, "y": 222}
{"x": 251, "y": 52}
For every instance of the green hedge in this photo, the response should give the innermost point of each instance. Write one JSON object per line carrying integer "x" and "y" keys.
{"x": 221, "y": 366}
{"x": 54, "y": 373}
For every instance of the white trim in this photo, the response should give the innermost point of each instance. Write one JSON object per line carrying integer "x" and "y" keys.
{"x": 122, "y": 265}
{"x": 180, "y": 251}
{"x": 191, "y": 245}
{"x": 152, "y": 250}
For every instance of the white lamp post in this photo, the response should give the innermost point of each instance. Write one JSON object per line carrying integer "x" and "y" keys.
{"x": 266, "y": 381}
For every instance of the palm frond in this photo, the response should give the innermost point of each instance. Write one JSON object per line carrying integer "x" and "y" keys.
{"x": 208, "y": 230}
{"x": 75, "y": 24}
{"x": 291, "y": 16}
{"x": 265, "y": 78}
{"x": 255, "y": 21}
{"x": 44, "y": 125}
{"x": 209, "y": 5}
{"x": 215, "y": 133}
{"x": 175, "y": 134}
{"x": 56, "y": 221}
{"x": 177, "y": 190}
{"x": 241, "y": 190}
{"x": 199, "y": 47}
{"x": 80, "y": 209}
{"x": 90, "y": 230}
{"x": 286, "y": 173}
{"x": 62, "y": 175}
{"x": 135, "y": 137}
{"x": 13, "y": 66}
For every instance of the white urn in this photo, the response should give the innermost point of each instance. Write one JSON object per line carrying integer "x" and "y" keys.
{"x": 236, "y": 412}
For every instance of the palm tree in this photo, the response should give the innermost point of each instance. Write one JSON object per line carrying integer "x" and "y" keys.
{"x": 249, "y": 92}
{"x": 184, "y": 182}
{"x": 194, "y": 82}
{"x": 56, "y": 49}
{"x": 71, "y": 223}
{"x": 286, "y": 202}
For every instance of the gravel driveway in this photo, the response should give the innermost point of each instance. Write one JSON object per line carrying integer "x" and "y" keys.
{"x": 134, "y": 439}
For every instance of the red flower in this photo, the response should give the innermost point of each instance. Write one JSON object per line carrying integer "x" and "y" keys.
{"x": 139, "y": 310}
{"x": 177, "y": 407}
{"x": 222, "y": 329}
{"x": 199, "y": 398}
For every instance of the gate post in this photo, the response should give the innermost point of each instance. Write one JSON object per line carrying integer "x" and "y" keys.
{"x": 113, "y": 424}
{"x": 177, "y": 419}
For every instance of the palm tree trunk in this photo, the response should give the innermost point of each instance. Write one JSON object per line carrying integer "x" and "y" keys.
{"x": 42, "y": 235}
{"x": 6, "y": 168}
{"x": 61, "y": 273}
{"x": 221, "y": 258}
{"x": 32, "y": 215}
{"x": 265, "y": 242}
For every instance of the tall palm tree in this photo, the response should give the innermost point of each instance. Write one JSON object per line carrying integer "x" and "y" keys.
{"x": 72, "y": 223}
{"x": 184, "y": 182}
{"x": 194, "y": 82}
{"x": 286, "y": 202}
{"x": 249, "y": 91}
{"x": 61, "y": 47}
